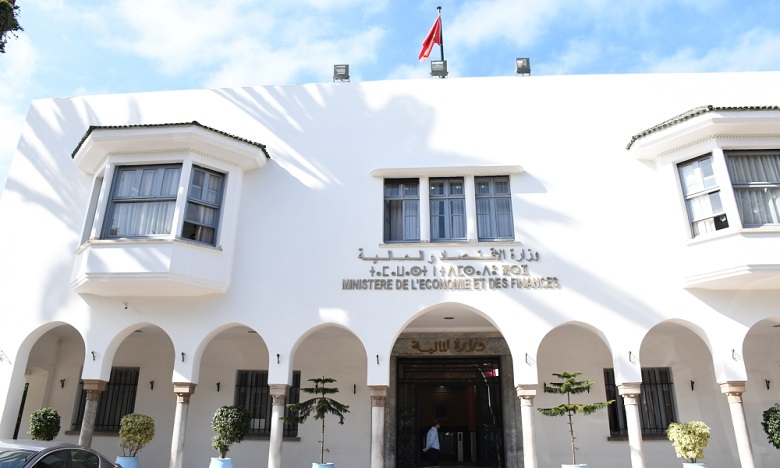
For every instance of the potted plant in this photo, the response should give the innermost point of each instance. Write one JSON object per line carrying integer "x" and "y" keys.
{"x": 771, "y": 425}
{"x": 135, "y": 431}
{"x": 569, "y": 385}
{"x": 318, "y": 406}
{"x": 231, "y": 424}
{"x": 44, "y": 424}
{"x": 689, "y": 440}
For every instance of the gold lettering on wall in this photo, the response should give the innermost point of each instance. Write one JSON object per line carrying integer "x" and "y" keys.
{"x": 495, "y": 269}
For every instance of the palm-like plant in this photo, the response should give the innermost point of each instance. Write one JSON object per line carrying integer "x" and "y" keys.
{"x": 569, "y": 385}
{"x": 318, "y": 406}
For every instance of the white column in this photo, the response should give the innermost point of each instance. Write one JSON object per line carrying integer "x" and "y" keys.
{"x": 469, "y": 191}
{"x": 183, "y": 391}
{"x": 734, "y": 391}
{"x": 526, "y": 395}
{"x": 378, "y": 394}
{"x": 278, "y": 394}
{"x": 94, "y": 388}
{"x": 630, "y": 393}
{"x": 425, "y": 210}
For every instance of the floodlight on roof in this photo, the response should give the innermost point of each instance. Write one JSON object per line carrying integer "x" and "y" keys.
{"x": 523, "y": 66}
{"x": 439, "y": 68}
{"x": 341, "y": 72}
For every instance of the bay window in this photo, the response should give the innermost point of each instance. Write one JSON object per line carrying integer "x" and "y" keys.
{"x": 162, "y": 192}
{"x": 143, "y": 202}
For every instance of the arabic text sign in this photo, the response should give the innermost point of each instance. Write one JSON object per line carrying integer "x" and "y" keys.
{"x": 462, "y": 272}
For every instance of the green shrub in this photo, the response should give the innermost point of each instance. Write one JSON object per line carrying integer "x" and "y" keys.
{"x": 135, "y": 431}
{"x": 231, "y": 424}
{"x": 44, "y": 424}
{"x": 771, "y": 425}
{"x": 689, "y": 439}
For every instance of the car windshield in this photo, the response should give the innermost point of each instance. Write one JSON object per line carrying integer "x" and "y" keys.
{"x": 14, "y": 458}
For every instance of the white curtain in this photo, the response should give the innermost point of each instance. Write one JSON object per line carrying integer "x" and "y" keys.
{"x": 756, "y": 181}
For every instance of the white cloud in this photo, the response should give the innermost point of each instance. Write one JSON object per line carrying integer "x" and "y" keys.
{"x": 579, "y": 53}
{"x": 239, "y": 42}
{"x": 758, "y": 49}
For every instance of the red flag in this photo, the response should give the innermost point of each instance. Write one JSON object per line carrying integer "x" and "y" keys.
{"x": 434, "y": 37}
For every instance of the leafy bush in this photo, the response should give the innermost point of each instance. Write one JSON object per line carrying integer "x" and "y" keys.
{"x": 689, "y": 439}
{"x": 771, "y": 425}
{"x": 231, "y": 424}
{"x": 44, "y": 424}
{"x": 135, "y": 431}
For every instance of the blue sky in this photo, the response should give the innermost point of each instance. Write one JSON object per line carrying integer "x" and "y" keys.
{"x": 80, "y": 47}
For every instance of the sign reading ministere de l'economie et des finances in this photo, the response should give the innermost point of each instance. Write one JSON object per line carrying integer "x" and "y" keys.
{"x": 495, "y": 269}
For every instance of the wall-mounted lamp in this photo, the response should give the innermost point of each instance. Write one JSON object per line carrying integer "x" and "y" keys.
{"x": 767, "y": 383}
{"x": 439, "y": 68}
{"x": 341, "y": 72}
{"x": 62, "y": 383}
{"x": 182, "y": 357}
{"x": 377, "y": 359}
{"x": 692, "y": 384}
{"x": 93, "y": 355}
{"x": 523, "y": 66}
{"x": 633, "y": 358}
{"x": 735, "y": 356}
{"x": 218, "y": 384}
{"x": 125, "y": 304}
{"x": 354, "y": 389}
{"x": 151, "y": 385}
{"x": 278, "y": 358}
{"x": 529, "y": 360}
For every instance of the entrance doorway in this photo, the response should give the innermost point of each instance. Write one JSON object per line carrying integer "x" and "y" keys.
{"x": 464, "y": 396}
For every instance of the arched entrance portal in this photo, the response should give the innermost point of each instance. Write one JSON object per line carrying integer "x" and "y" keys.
{"x": 464, "y": 395}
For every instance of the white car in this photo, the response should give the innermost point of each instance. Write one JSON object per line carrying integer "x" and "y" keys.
{"x": 45, "y": 454}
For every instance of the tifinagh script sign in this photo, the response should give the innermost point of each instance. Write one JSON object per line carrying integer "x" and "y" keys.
{"x": 498, "y": 269}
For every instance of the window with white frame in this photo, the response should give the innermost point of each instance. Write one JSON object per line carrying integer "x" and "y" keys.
{"x": 402, "y": 210}
{"x": 656, "y": 402}
{"x": 448, "y": 209}
{"x": 203, "y": 202}
{"x": 702, "y": 196}
{"x": 755, "y": 178}
{"x": 452, "y": 201}
{"x": 143, "y": 202}
{"x": 494, "y": 208}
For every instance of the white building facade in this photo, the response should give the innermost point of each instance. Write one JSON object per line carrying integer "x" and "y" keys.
{"x": 439, "y": 247}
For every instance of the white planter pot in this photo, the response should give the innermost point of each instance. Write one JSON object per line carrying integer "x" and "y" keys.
{"x": 694, "y": 465}
{"x": 221, "y": 463}
{"x": 322, "y": 465}
{"x": 575, "y": 466}
{"x": 127, "y": 462}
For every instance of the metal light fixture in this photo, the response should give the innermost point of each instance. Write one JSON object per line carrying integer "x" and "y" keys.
{"x": 523, "y": 66}
{"x": 439, "y": 68}
{"x": 341, "y": 72}
{"x": 62, "y": 383}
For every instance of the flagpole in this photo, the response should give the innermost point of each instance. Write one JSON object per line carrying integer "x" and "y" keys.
{"x": 441, "y": 35}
